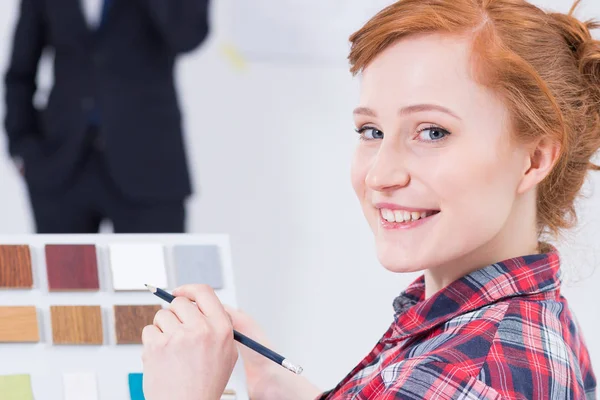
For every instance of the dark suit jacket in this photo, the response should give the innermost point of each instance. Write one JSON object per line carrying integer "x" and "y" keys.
{"x": 124, "y": 72}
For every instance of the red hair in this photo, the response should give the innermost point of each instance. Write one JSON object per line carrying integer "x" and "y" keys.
{"x": 546, "y": 67}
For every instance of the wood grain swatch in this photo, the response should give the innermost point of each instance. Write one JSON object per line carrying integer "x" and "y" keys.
{"x": 19, "y": 325}
{"x": 72, "y": 267}
{"x": 76, "y": 324}
{"x": 131, "y": 320}
{"x": 15, "y": 267}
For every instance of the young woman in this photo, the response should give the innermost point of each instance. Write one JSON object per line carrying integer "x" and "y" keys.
{"x": 477, "y": 123}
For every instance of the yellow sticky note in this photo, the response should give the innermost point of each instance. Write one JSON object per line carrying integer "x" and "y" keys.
{"x": 15, "y": 387}
{"x": 233, "y": 55}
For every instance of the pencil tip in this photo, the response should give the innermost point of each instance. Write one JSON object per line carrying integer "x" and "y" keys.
{"x": 150, "y": 288}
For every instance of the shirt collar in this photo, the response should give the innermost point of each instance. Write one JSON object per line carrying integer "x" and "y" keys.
{"x": 527, "y": 275}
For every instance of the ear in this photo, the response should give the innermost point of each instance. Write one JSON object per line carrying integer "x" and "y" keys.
{"x": 542, "y": 158}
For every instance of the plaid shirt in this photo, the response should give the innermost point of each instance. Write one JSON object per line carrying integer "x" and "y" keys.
{"x": 502, "y": 332}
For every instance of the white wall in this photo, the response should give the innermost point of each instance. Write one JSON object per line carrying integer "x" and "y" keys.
{"x": 270, "y": 147}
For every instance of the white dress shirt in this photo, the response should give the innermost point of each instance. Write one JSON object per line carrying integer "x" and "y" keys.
{"x": 92, "y": 11}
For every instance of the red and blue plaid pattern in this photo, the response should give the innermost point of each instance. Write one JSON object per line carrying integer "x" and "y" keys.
{"x": 502, "y": 332}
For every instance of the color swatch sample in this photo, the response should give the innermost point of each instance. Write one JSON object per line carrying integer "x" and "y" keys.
{"x": 76, "y": 324}
{"x": 136, "y": 387}
{"x": 15, "y": 387}
{"x": 72, "y": 267}
{"x": 18, "y": 325}
{"x": 198, "y": 264}
{"x": 15, "y": 267}
{"x": 80, "y": 386}
{"x": 131, "y": 320}
{"x": 135, "y": 264}
{"x": 228, "y": 394}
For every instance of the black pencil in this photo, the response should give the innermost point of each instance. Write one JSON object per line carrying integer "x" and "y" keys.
{"x": 245, "y": 340}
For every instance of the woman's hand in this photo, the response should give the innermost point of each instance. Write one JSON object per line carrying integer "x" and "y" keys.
{"x": 189, "y": 351}
{"x": 265, "y": 379}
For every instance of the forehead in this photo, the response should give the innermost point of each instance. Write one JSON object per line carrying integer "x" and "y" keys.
{"x": 424, "y": 68}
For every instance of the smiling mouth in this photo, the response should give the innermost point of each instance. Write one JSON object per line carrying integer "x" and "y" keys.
{"x": 405, "y": 217}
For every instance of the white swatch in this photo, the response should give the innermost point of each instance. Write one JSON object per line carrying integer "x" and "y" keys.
{"x": 135, "y": 264}
{"x": 80, "y": 386}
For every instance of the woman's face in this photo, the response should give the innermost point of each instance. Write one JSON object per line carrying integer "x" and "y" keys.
{"x": 435, "y": 170}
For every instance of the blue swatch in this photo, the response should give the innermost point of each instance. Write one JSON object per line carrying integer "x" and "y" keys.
{"x": 136, "y": 388}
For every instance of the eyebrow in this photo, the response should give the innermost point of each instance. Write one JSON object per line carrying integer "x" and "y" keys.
{"x": 408, "y": 110}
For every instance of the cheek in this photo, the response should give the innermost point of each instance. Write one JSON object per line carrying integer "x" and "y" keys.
{"x": 359, "y": 171}
{"x": 475, "y": 187}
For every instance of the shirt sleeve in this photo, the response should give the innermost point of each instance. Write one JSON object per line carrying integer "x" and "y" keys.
{"x": 21, "y": 118}
{"x": 429, "y": 380}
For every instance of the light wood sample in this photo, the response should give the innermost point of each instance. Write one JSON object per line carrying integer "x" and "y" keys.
{"x": 76, "y": 324}
{"x": 15, "y": 267}
{"x": 19, "y": 324}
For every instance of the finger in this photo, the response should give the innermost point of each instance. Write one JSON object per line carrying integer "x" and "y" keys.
{"x": 166, "y": 321}
{"x": 236, "y": 316}
{"x": 186, "y": 311}
{"x": 206, "y": 300}
{"x": 151, "y": 334}
{"x": 243, "y": 323}
{"x": 247, "y": 326}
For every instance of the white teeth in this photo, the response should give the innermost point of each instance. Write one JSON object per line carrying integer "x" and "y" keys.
{"x": 384, "y": 214}
{"x": 399, "y": 216}
{"x": 388, "y": 215}
{"x": 391, "y": 216}
{"x": 402, "y": 216}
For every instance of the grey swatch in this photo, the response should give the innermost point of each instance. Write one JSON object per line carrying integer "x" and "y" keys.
{"x": 198, "y": 264}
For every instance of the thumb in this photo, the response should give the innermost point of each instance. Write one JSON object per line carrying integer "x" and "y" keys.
{"x": 243, "y": 323}
{"x": 255, "y": 365}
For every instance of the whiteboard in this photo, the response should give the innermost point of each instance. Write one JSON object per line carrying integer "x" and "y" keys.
{"x": 298, "y": 30}
{"x": 111, "y": 363}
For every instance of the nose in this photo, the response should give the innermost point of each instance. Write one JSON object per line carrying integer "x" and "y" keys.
{"x": 388, "y": 171}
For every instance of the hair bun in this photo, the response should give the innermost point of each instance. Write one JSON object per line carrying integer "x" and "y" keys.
{"x": 588, "y": 55}
{"x": 586, "y": 52}
{"x": 578, "y": 36}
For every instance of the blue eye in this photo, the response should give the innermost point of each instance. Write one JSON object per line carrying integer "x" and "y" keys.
{"x": 432, "y": 134}
{"x": 369, "y": 133}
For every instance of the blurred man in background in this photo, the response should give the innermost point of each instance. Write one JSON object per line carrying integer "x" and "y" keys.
{"x": 109, "y": 143}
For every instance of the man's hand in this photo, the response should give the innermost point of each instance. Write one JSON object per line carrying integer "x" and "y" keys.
{"x": 20, "y": 165}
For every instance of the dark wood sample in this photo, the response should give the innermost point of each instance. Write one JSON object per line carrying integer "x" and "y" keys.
{"x": 19, "y": 324}
{"x": 15, "y": 267}
{"x": 76, "y": 324}
{"x": 72, "y": 267}
{"x": 131, "y": 320}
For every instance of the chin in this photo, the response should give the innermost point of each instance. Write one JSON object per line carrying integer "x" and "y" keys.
{"x": 395, "y": 258}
